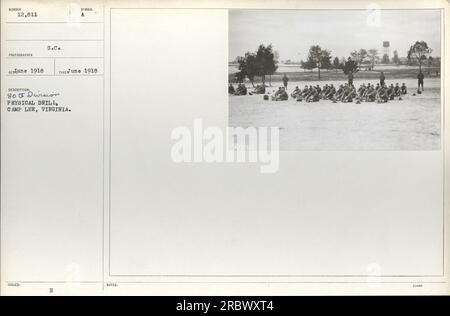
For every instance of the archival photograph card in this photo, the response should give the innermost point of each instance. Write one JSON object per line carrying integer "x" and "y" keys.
{"x": 224, "y": 147}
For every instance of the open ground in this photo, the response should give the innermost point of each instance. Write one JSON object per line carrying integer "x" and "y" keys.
{"x": 413, "y": 123}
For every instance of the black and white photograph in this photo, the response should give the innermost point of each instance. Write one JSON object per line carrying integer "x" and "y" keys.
{"x": 224, "y": 153}
{"x": 338, "y": 79}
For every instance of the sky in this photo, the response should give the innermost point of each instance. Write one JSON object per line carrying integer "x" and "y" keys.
{"x": 292, "y": 32}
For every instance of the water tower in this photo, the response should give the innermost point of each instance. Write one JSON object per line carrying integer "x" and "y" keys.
{"x": 387, "y": 48}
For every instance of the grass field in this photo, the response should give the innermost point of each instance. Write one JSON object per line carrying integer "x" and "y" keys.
{"x": 413, "y": 123}
{"x": 392, "y": 72}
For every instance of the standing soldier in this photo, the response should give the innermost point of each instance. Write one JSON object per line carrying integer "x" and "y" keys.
{"x": 382, "y": 78}
{"x": 420, "y": 77}
{"x": 285, "y": 81}
{"x": 350, "y": 78}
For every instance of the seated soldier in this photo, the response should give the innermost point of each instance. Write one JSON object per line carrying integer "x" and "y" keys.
{"x": 366, "y": 88}
{"x": 397, "y": 91}
{"x": 361, "y": 90}
{"x": 323, "y": 92}
{"x": 366, "y": 92}
{"x": 403, "y": 88}
{"x": 350, "y": 94}
{"x": 344, "y": 93}
{"x": 369, "y": 94}
{"x": 281, "y": 95}
{"x": 377, "y": 87}
{"x": 318, "y": 89}
{"x": 302, "y": 94}
{"x": 382, "y": 95}
{"x": 313, "y": 95}
{"x": 277, "y": 92}
{"x": 241, "y": 89}
{"x": 296, "y": 92}
{"x": 305, "y": 91}
{"x": 390, "y": 92}
{"x": 259, "y": 89}
{"x": 339, "y": 93}
{"x": 331, "y": 92}
{"x": 231, "y": 89}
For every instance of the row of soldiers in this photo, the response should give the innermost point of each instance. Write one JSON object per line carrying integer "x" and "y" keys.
{"x": 241, "y": 89}
{"x": 348, "y": 93}
{"x": 344, "y": 92}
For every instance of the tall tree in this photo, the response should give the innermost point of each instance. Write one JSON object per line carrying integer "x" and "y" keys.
{"x": 326, "y": 59}
{"x": 372, "y": 54}
{"x": 307, "y": 65}
{"x": 318, "y": 58}
{"x": 276, "y": 57}
{"x": 336, "y": 63}
{"x": 409, "y": 56}
{"x": 419, "y": 52}
{"x": 385, "y": 59}
{"x": 265, "y": 62}
{"x": 270, "y": 62}
{"x": 261, "y": 63}
{"x": 430, "y": 63}
{"x": 350, "y": 66}
{"x": 359, "y": 56}
{"x": 247, "y": 68}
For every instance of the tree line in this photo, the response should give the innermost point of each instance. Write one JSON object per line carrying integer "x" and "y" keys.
{"x": 261, "y": 63}
{"x": 264, "y": 62}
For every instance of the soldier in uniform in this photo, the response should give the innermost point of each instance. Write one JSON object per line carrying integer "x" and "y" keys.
{"x": 370, "y": 94}
{"x": 276, "y": 93}
{"x": 404, "y": 89}
{"x": 259, "y": 89}
{"x": 318, "y": 89}
{"x": 313, "y": 95}
{"x": 330, "y": 93}
{"x": 397, "y": 91}
{"x": 296, "y": 92}
{"x": 382, "y": 78}
{"x": 378, "y": 87}
{"x": 281, "y": 95}
{"x": 324, "y": 91}
{"x": 390, "y": 92}
{"x": 420, "y": 78}
{"x": 303, "y": 94}
{"x": 382, "y": 94}
{"x": 350, "y": 78}
{"x": 231, "y": 89}
{"x": 349, "y": 94}
{"x": 339, "y": 93}
{"x": 361, "y": 90}
{"x": 285, "y": 81}
{"x": 241, "y": 89}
